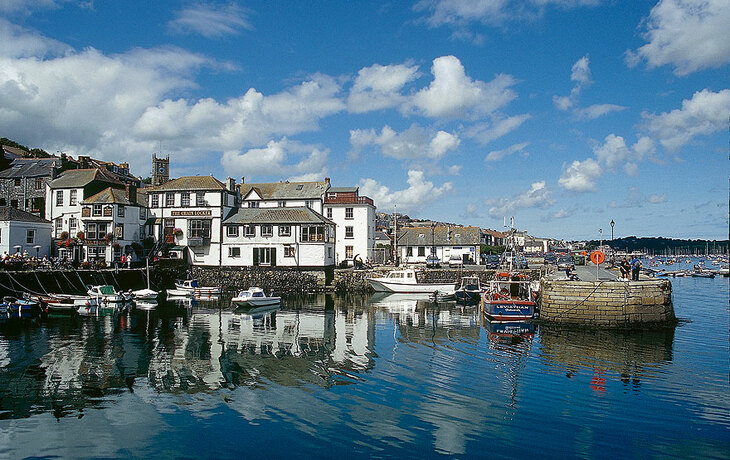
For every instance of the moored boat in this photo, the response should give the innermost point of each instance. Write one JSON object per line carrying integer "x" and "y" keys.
{"x": 470, "y": 290}
{"x": 192, "y": 286}
{"x": 406, "y": 281}
{"x": 509, "y": 297}
{"x": 105, "y": 293}
{"x": 254, "y": 297}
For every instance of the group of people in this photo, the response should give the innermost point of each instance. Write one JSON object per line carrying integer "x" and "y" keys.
{"x": 18, "y": 259}
{"x": 630, "y": 270}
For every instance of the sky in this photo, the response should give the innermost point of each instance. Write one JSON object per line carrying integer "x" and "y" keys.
{"x": 564, "y": 114}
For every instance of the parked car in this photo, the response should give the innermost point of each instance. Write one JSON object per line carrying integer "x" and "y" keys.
{"x": 565, "y": 262}
{"x": 521, "y": 262}
{"x": 492, "y": 261}
{"x": 456, "y": 261}
{"x": 433, "y": 261}
{"x": 550, "y": 258}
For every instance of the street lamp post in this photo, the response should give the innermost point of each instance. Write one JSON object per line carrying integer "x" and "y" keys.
{"x": 600, "y": 238}
{"x": 433, "y": 239}
{"x": 612, "y": 224}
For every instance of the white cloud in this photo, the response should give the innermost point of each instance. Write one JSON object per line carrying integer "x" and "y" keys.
{"x": 562, "y": 214}
{"x": 471, "y": 212}
{"x": 581, "y": 71}
{"x": 613, "y": 151}
{"x": 378, "y": 87}
{"x": 707, "y": 112}
{"x": 581, "y": 74}
{"x": 210, "y": 21}
{"x": 690, "y": 35}
{"x": 88, "y": 102}
{"x": 26, "y": 6}
{"x": 598, "y": 110}
{"x": 413, "y": 143}
{"x": 275, "y": 159}
{"x": 580, "y": 176}
{"x": 15, "y": 42}
{"x": 496, "y": 155}
{"x": 459, "y": 13}
{"x": 539, "y": 196}
{"x": 486, "y": 132}
{"x": 419, "y": 194}
{"x": 656, "y": 199}
{"x": 452, "y": 94}
{"x": 454, "y": 170}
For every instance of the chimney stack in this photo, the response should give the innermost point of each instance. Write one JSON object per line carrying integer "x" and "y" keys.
{"x": 131, "y": 190}
{"x": 231, "y": 184}
{"x": 242, "y": 180}
{"x": 327, "y": 179}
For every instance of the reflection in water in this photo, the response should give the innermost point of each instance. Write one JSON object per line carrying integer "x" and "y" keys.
{"x": 631, "y": 355}
{"x": 387, "y": 375}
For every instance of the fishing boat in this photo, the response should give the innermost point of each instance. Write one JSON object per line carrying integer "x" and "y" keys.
{"x": 254, "y": 297}
{"x": 193, "y": 287}
{"x": 509, "y": 297}
{"x": 470, "y": 290}
{"x": 66, "y": 303}
{"x": 105, "y": 293}
{"x": 406, "y": 281}
{"x": 147, "y": 293}
{"x": 13, "y": 304}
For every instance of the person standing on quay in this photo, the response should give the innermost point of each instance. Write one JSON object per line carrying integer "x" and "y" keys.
{"x": 635, "y": 268}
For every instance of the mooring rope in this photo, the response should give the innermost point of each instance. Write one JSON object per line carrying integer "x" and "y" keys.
{"x": 39, "y": 282}
{"x": 600, "y": 283}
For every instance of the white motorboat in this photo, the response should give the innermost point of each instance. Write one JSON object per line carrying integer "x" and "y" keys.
{"x": 193, "y": 287}
{"x": 145, "y": 304}
{"x": 254, "y": 297}
{"x": 105, "y": 293}
{"x": 406, "y": 281}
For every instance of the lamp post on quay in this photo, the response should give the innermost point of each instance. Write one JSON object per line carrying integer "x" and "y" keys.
{"x": 612, "y": 224}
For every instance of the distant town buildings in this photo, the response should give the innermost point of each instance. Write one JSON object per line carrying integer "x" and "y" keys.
{"x": 93, "y": 211}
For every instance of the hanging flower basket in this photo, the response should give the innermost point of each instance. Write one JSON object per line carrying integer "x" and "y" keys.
{"x": 109, "y": 237}
{"x": 178, "y": 232}
{"x": 64, "y": 235}
{"x": 80, "y": 236}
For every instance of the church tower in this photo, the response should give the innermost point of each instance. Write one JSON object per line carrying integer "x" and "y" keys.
{"x": 160, "y": 170}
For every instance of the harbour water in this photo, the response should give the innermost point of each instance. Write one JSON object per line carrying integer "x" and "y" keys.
{"x": 371, "y": 376}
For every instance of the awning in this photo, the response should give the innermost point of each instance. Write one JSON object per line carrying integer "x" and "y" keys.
{"x": 153, "y": 221}
{"x": 178, "y": 248}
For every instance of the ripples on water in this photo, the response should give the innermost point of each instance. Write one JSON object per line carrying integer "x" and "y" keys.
{"x": 390, "y": 376}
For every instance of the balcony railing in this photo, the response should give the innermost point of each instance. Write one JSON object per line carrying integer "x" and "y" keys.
{"x": 349, "y": 200}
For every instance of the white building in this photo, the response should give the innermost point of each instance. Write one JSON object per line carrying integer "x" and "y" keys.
{"x": 354, "y": 216}
{"x": 64, "y": 195}
{"x": 283, "y": 237}
{"x": 113, "y": 220}
{"x": 188, "y": 212}
{"x": 416, "y": 243}
{"x": 22, "y": 231}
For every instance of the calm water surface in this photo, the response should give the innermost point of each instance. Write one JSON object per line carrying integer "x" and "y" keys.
{"x": 381, "y": 376}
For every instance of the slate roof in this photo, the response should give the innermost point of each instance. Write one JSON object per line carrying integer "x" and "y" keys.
{"x": 275, "y": 216}
{"x": 14, "y": 152}
{"x": 286, "y": 190}
{"x": 8, "y": 213}
{"x": 442, "y": 236}
{"x": 76, "y": 178}
{"x": 343, "y": 190}
{"x": 189, "y": 183}
{"x": 115, "y": 196}
{"x": 30, "y": 167}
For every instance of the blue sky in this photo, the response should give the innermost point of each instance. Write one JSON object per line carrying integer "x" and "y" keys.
{"x": 565, "y": 114}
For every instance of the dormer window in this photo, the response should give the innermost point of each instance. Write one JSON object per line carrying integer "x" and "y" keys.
{"x": 300, "y": 186}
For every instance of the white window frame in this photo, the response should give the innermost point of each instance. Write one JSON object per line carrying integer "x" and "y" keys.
{"x": 234, "y": 252}
{"x": 232, "y": 231}
{"x": 267, "y": 230}
{"x": 284, "y": 230}
{"x": 349, "y": 213}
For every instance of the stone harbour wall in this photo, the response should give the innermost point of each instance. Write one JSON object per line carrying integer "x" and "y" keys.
{"x": 280, "y": 280}
{"x": 607, "y": 303}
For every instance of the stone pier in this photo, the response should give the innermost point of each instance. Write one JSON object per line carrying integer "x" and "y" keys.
{"x": 614, "y": 304}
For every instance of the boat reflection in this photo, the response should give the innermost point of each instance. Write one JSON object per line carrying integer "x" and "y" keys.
{"x": 509, "y": 332}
